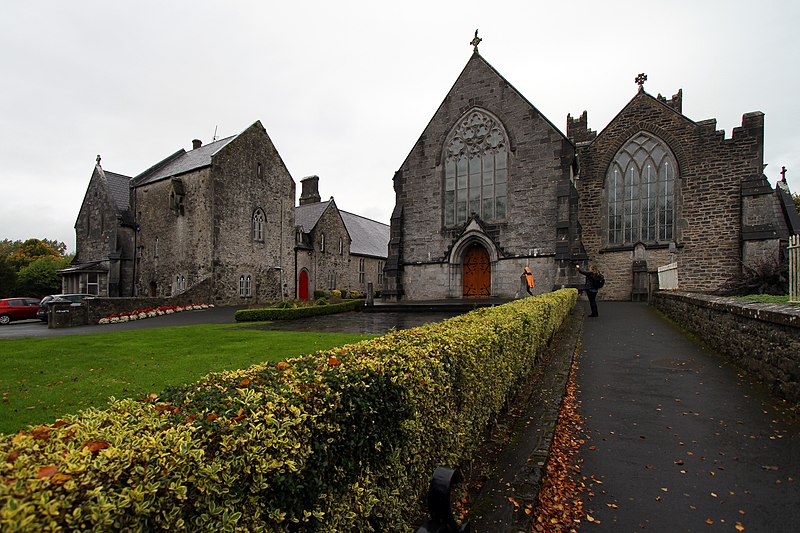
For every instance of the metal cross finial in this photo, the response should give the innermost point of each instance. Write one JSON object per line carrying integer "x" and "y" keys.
{"x": 640, "y": 79}
{"x": 475, "y": 42}
{"x": 783, "y": 174}
{"x": 98, "y": 159}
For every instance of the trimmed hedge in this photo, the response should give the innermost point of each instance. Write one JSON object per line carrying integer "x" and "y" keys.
{"x": 340, "y": 440}
{"x": 275, "y": 313}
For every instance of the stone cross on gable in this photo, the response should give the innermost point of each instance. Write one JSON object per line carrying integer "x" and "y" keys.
{"x": 640, "y": 79}
{"x": 475, "y": 42}
{"x": 98, "y": 159}
{"x": 783, "y": 174}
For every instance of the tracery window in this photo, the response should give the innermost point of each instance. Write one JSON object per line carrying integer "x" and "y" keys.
{"x": 362, "y": 274}
{"x": 641, "y": 192}
{"x": 475, "y": 170}
{"x": 258, "y": 225}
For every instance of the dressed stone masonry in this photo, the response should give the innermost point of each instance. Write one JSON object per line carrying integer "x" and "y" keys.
{"x": 491, "y": 186}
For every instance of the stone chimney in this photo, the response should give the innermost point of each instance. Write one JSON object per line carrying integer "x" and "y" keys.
{"x": 196, "y": 143}
{"x": 310, "y": 191}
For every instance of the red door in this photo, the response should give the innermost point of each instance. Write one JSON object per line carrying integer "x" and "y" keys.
{"x": 304, "y": 284}
{"x": 477, "y": 272}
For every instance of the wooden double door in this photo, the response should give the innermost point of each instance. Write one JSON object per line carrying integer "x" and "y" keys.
{"x": 477, "y": 272}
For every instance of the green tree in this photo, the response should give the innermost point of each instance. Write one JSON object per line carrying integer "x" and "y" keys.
{"x": 8, "y": 278}
{"x": 41, "y": 277}
{"x": 29, "y": 251}
{"x": 796, "y": 198}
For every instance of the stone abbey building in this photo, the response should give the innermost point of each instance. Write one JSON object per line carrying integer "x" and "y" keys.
{"x": 492, "y": 186}
{"x": 220, "y": 221}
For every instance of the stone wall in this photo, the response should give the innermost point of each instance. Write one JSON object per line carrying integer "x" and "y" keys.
{"x": 248, "y": 174}
{"x": 539, "y": 161}
{"x": 93, "y": 309}
{"x": 708, "y": 207}
{"x": 762, "y": 338}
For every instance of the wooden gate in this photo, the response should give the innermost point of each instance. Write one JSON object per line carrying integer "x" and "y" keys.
{"x": 477, "y": 272}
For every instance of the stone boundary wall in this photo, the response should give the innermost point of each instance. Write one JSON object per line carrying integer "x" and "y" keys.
{"x": 97, "y": 308}
{"x": 762, "y": 338}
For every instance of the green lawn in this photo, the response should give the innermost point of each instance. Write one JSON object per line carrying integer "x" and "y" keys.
{"x": 41, "y": 379}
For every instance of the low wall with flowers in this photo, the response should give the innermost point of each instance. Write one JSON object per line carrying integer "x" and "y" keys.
{"x": 141, "y": 314}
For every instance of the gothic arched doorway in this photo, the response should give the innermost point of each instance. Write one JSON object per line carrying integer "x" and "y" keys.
{"x": 477, "y": 272}
{"x": 303, "y": 285}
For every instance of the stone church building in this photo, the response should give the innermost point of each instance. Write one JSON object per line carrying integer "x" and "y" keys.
{"x": 219, "y": 221}
{"x": 492, "y": 186}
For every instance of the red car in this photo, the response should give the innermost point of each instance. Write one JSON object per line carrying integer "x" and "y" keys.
{"x": 17, "y": 309}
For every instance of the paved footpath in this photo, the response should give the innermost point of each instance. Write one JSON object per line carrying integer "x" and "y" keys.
{"x": 678, "y": 439}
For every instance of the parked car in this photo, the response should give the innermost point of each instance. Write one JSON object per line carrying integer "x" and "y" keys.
{"x": 47, "y": 301}
{"x": 17, "y": 309}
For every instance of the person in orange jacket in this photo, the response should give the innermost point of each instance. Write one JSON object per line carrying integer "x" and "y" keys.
{"x": 529, "y": 282}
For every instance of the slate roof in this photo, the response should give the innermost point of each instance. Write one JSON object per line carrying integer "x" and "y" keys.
{"x": 181, "y": 162}
{"x": 368, "y": 237}
{"x": 307, "y": 216}
{"x": 789, "y": 209}
{"x": 119, "y": 188}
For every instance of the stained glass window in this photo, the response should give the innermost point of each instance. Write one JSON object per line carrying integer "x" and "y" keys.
{"x": 640, "y": 185}
{"x": 475, "y": 170}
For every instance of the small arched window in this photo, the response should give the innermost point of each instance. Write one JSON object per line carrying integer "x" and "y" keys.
{"x": 341, "y": 246}
{"x": 322, "y": 242}
{"x": 640, "y": 186}
{"x": 258, "y": 225}
{"x": 475, "y": 169}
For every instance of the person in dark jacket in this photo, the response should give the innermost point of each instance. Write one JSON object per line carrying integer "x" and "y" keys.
{"x": 591, "y": 286}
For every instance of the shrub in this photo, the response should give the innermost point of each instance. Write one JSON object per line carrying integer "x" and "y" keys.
{"x": 769, "y": 275}
{"x": 344, "y": 439}
{"x": 292, "y": 313}
{"x": 321, "y": 301}
{"x": 336, "y": 294}
{"x": 320, "y": 294}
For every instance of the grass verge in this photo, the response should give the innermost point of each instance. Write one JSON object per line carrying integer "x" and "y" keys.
{"x": 766, "y": 299}
{"x": 42, "y": 379}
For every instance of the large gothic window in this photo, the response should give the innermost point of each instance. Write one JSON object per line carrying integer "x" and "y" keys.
{"x": 475, "y": 170}
{"x": 641, "y": 192}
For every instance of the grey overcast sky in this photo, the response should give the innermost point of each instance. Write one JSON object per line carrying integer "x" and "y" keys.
{"x": 345, "y": 88}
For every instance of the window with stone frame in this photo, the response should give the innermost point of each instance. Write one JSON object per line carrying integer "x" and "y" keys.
{"x": 640, "y": 187}
{"x": 362, "y": 274}
{"x": 475, "y": 169}
{"x": 322, "y": 242}
{"x": 380, "y": 273}
{"x": 248, "y": 286}
{"x": 259, "y": 221}
{"x": 341, "y": 246}
{"x": 331, "y": 279}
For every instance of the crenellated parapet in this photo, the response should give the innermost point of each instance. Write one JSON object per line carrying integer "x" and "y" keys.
{"x": 676, "y": 102}
{"x": 578, "y": 130}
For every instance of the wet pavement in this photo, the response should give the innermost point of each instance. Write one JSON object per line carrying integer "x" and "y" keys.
{"x": 679, "y": 439}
